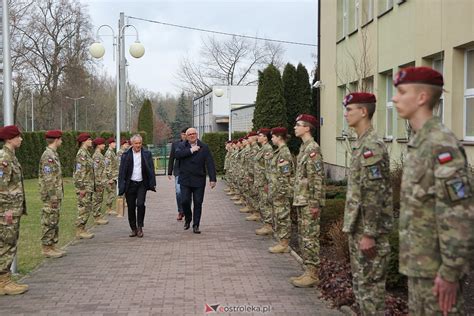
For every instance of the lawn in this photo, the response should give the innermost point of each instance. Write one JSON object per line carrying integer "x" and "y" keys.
{"x": 29, "y": 247}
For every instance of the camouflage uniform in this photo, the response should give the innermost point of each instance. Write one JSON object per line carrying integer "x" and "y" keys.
{"x": 436, "y": 216}
{"x": 52, "y": 192}
{"x": 100, "y": 183}
{"x": 241, "y": 172}
{"x": 84, "y": 181}
{"x": 281, "y": 191}
{"x": 252, "y": 194}
{"x": 309, "y": 192}
{"x": 111, "y": 171}
{"x": 368, "y": 212}
{"x": 12, "y": 198}
{"x": 261, "y": 180}
{"x": 226, "y": 166}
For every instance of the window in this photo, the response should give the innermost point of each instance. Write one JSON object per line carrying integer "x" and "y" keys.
{"x": 438, "y": 65}
{"x": 347, "y": 17}
{"x": 367, "y": 11}
{"x": 469, "y": 95}
{"x": 368, "y": 84}
{"x": 390, "y": 116}
{"x": 344, "y": 128}
{"x": 384, "y": 6}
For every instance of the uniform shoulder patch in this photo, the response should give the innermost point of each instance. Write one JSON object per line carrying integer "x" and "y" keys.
{"x": 367, "y": 153}
{"x": 50, "y": 160}
{"x": 47, "y": 169}
{"x": 281, "y": 160}
{"x": 5, "y": 163}
{"x": 458, "y": 188}
{"x": 82, "y": 158}
{"x": 445, "y": 157}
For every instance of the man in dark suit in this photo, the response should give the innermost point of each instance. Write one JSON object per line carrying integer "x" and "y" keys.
{"x": 194, "y": 158}
{"x": 136, "y": 177}
{"x": 173, "y": 169}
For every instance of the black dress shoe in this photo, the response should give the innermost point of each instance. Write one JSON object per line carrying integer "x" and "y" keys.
{"x": 187, "y": 225}
{"x": 133, "y": 233}
{"x": 140, "y": 232}
{"x": 196, "y": 230}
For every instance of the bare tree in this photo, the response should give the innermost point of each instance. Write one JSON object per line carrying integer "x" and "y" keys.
{"x": 231, "y": 62}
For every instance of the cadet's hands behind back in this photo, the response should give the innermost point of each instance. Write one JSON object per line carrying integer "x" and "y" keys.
{"x": 446, "y": 292}
{"x": 367, "y": 246}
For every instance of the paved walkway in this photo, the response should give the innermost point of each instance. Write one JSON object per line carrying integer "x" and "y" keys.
{"x": 170, "y": 271}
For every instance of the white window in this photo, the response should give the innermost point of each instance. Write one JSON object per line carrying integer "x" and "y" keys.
{"x": 345, "y": 17}
{"x": 438, "y": 65}
{"x": 390, "y": 116}
{"x": 367, "y": 10}
{"x": 385, "y": 5}
{"x": 469, "y": 95}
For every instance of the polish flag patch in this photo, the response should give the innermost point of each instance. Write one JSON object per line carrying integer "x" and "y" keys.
{"x": 312, "y": 155}
{"x": 368, "y": 154}
{"x": 281, "y": 160}
{"x": 445, "y": 157}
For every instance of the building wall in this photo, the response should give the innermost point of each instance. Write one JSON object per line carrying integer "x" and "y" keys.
{"x": 411, "y": 32}
{"x": 242, "y": 119}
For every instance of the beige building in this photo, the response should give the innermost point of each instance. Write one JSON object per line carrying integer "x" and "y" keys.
{"x": 363, "y": 45}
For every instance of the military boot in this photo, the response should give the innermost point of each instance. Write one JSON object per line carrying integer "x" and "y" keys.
{"x": 111, "y": 211}
{"x": 81, "y": 233}
{"x": 9, "y": 287}
{"x": 238, "y": 202}
{"x": 309, "y": 280}
{"x": 264, "y": 230}
{"x": 49, "y": 252}
{"x": 100, "y": 221}
{"x": 226, "y": 190}
{"x": 57, "y": 249}
{"x": 230, "y": 193}
{"x": 299, "y": 277}
{"x": 253, "y": 217}
{"x": 235, "y": 198}
{"x": 281, "y": 247}
{"x": 244, "y": 209}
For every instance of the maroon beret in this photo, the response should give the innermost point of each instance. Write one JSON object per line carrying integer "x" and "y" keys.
{"x": 228, "y": 142}
{"x": 9, "y": 132}
{"x": 241, "y": 139}
{"x": 111, "y": 140}
{"x": 252, "y": 133}
{"x": 123, "y": 141}
{"x": 99, "y": 141}
{"x": 265, "y": 131}
{"x": 83, "y": 137}
{"x": 308, "y": 119}
{"x": 358, "y": 97}
{"x": 245, "y": 137}
{"x": 425, "y": 75}
{"x": 279, "y": 131}
{"x": 54, "y": 134}
{"x": 235, "y": 141}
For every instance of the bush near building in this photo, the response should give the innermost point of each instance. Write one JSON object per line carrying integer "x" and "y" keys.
{"x": 216, "y": 142}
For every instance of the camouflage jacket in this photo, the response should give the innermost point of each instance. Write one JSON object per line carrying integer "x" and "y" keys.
{"x": 84, "y": 171}
{"x": 50, "y": 176}
{"x": 12, "y": 190}
{"x": 268, "y": 164}
{"x": 437, "y": 206}
{"x": 242, "y": 172}
{"x": 282, "y": 173}
{"x": 369, "y": 190}
{"x": 254, "y": 149}
{"x": 227, "y": 161}
{"x": 310, "y": 177}
{"x": 111, "y": 165}
{"x": 99, "y": 168}
{"x": 260, "y": 178}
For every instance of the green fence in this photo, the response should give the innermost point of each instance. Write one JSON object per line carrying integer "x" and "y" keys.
{"x": 160, "y": 158}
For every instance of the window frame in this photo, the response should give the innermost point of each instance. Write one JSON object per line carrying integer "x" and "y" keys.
{"x": 389, "y": 105}
{"x": 441, "y": 58}
{"x": 468, "y": 94}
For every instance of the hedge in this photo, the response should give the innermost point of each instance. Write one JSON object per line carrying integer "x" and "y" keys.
{"x": 34, "y": 143}
{"x": 216, "y": 142}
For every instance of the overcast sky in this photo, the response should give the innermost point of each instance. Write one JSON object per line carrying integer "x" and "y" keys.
{"x": 165, "y": 46}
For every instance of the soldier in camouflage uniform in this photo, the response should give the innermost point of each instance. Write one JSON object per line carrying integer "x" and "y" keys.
{"x": 12, "y": 207}
{"x": 437, "y": 204}
{"x": 281, "y": 189}
{"x": 84, "y": 183}
{"x": 233, "y": 168}
{"x": 124, "y": 146}
{"x": 111, "y": 172}
{"x": 262, "y": 159}
{"x": 51, "y": 190}
{"x": 368, "y": 213}
{"x": 228, "y": 146}
{"x": 252, "y": 194}
{"x": 240, "y": 171}
{"x": 101, "y": 180}
{"x": 309, "y": 199}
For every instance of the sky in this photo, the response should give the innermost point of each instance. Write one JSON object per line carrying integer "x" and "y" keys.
{"x": 165, "y": 46}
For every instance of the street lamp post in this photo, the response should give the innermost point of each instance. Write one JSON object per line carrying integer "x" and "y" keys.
{"x": 75, "y": 109}
{"x": 219, "y": 93}
{"x": 97, "y": 50}
{"x": 130, "y": 117}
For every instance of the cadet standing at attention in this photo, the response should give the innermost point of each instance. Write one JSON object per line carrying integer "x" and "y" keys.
{"x": 100, "y": 181}
{"x": 111, "y": 172}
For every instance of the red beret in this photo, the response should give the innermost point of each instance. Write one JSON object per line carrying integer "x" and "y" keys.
{"x": 99, "y": 141}
{"x": 83, "y": 137}
{"x": 279, "y": 131}
{"x": 54, "y": 134}
{"x": 228, "y": 142}
{"x": 265, "y": 131}
{"x": 9, "y": 132}
{"x": 425, "y": 75}
{"x": 308, "y": 119}
{"x": 358, "y": 97}
{"x": 111, "y": 140}
{"x": 245, "y": 137}
{"x": 123, "y": 141}
{"x": 252, "y": 133}
{"x": 235, "y": 141}
{"x": 241, "y": 139}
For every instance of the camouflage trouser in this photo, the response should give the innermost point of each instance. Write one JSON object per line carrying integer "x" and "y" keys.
{"x": 421, "y": 300}
{"x": 8, "y": 243}
{"x": 110, "y": 194}
{"x": 84, "y": 208}
{"x": 50, "y": 223}
{"x": 97, "y": 199}
{"x": 369, "y": 275}
{"x": 281, "y": 219}
{"x": 308, "y": 233}
{"x": 265, "y": 207}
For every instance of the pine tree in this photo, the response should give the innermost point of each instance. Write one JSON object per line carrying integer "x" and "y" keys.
{"x": 303, "y": 91}
{"x": 183, "y": 117}
{"x": 292, "y": 106}
{"x": 145, "y": 121}
{"x": 270, "y": 109}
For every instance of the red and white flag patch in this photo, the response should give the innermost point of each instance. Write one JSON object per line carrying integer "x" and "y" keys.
{"x": 281, "y": 161}
{"x": 445, "y": 157}
{"x": 368, "y": 154}
{"x": 312, "y": 154}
